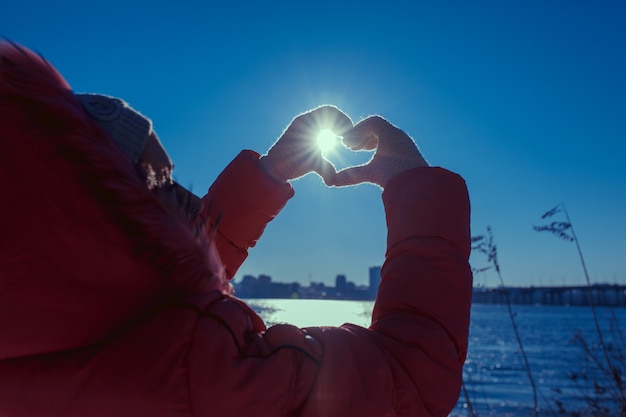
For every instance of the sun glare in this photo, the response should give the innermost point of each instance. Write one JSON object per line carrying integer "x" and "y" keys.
{"x": 327, "y": 140}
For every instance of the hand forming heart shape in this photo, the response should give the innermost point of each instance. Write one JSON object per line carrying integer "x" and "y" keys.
{"x": 296, "y": 153}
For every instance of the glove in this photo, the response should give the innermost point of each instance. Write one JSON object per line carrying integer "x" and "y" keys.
{"x": 296, "y": 153}
{"x": 395, "y": 153}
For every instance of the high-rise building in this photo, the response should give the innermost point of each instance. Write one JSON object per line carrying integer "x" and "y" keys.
{"x": 340, "y": 283}
{"x": 374, "y": 280}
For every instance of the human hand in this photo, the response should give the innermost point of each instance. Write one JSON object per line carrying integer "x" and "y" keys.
{"x": 296, "y": 153}
{"x": 395, "y": 153}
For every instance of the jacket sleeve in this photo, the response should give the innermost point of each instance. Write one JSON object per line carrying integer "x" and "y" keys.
{"x": 410, "y": 360}
{"x": 238, "y": 206}
{"x": 425, "y": 294}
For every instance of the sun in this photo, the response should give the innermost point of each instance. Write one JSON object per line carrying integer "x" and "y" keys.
{"x": 326, "y": 140}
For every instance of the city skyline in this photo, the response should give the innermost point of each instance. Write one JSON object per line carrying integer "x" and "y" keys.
{"x": 263, "y": 287}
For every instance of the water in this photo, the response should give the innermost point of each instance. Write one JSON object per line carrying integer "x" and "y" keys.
{"x": 495, "y": 377}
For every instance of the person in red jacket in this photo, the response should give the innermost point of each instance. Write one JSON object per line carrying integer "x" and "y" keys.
{"x": 114, "y": 295}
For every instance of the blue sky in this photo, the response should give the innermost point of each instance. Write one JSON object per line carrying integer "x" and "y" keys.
{"x": 523, "y": 99}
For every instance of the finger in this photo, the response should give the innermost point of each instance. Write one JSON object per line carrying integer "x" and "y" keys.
{"x": 360, "y": 143}
{"x": 329, "y": 117}
{"x": 326, "y": 170}
{"x": 352, "y": 176}
{"x": 365, "y": 135}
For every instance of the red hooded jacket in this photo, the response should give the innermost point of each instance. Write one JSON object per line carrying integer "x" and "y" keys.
{"x": 109, "y": 306}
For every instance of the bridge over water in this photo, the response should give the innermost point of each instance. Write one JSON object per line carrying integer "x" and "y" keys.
{"x": 602, "y": 295}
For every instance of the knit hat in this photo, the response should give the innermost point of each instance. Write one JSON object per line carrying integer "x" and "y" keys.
{"x": 131, "y": 131}
{"x": 128, "y": 128}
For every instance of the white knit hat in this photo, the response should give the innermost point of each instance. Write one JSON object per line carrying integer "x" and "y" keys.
{"x": 128, "y": 128}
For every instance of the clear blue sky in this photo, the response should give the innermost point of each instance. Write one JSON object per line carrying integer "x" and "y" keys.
{"x": 525, "y": 99}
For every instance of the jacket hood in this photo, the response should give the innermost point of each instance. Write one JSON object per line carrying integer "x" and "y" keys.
{"x": 86, "y": 247}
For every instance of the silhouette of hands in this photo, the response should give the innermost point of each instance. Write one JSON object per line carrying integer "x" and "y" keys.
{"x": 395, "y": 153}
{"x": 296, "y": 153}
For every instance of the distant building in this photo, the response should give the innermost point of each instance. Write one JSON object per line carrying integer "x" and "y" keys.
{"x": 374, "y": 280}
{"x": 247, "y": 286}
{"x": 263, "y": 287}
{"x": 340, "y": 284}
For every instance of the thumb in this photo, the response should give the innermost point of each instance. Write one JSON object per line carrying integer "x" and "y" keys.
{"x": 326, "y": 170}
{"x": 352, "y": 176}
